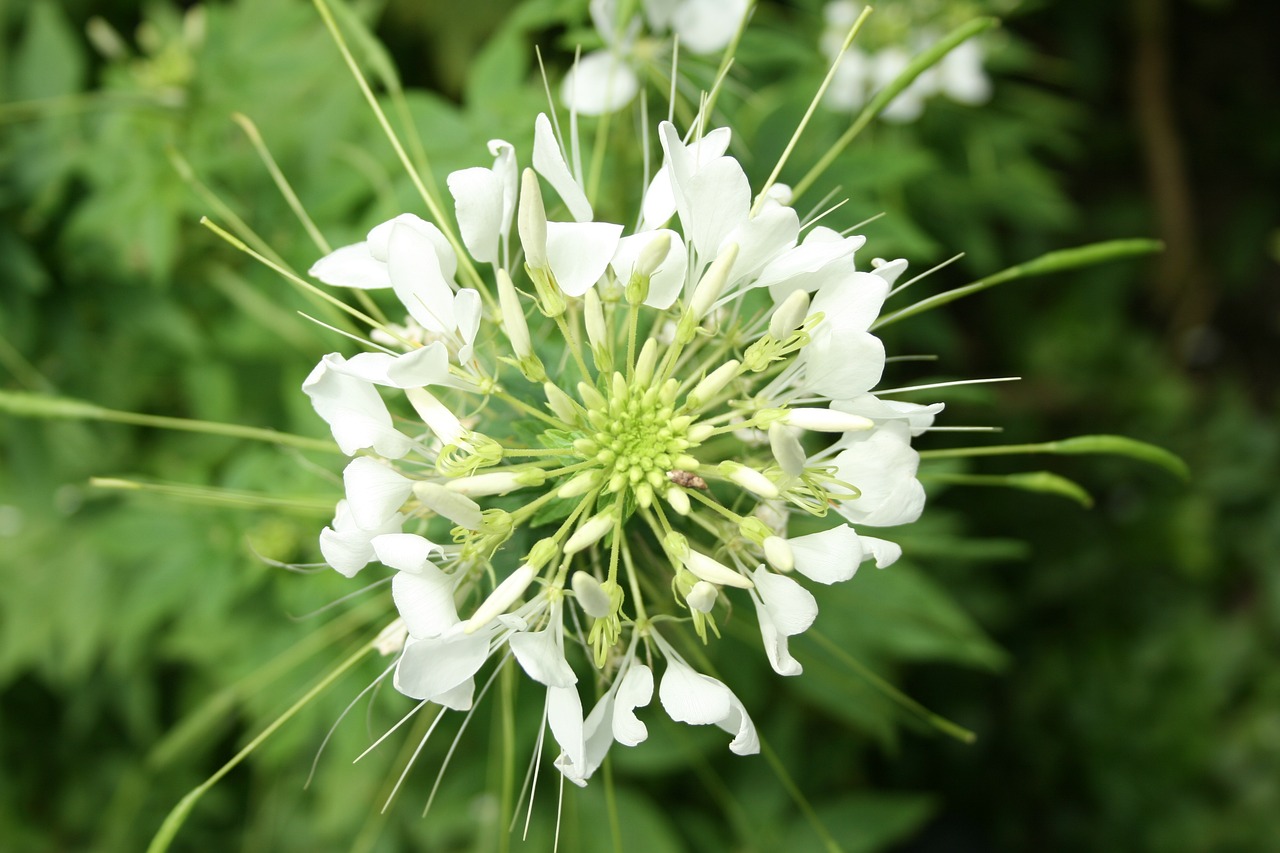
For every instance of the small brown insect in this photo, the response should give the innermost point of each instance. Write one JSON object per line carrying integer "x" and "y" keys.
{"x": 687, "y": 479}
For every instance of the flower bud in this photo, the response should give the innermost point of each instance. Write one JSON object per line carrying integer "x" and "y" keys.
{"x": 778, "y": 553}
{"x": 713, "y": 571}
{"x": 713, "y": 282}
{"x": 561, "y": 403}
{"x": 500, "y": 600}
{"x": 436, "y": 416}
{"x": 789, "y": 314}
{"x": 702, "y": 597}
{"x": 532, "y": 221}
{"x": 653, "y": 254}
{"x": 826, "y": 420}
{"x": 513, "y": 316}
{"x": 591, "y": 532}
{"x": 495, "y": 482}
{"x": 678, "y": 499}
{"x": 713, "y": 383}
{"x": 456, "y": 507}
{"x": 646, "y": 361}
{"x": 749, "y": 479}
{"x": 593, "y": 600}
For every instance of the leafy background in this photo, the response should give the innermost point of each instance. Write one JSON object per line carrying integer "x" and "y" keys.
{"x": 1116, "y": 664}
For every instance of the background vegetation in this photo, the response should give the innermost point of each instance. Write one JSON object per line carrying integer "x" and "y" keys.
{"x": 1116, "y": 664}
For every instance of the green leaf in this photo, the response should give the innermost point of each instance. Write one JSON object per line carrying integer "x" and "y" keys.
{"x": 1031, "y": 481}
{"x": 1059, "y": 261}
{"x": 861, "y": 823}
{"x": 1117, "y": 445}
{"x": 49, "y": 61}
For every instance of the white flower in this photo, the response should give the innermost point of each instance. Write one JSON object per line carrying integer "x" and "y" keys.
{"x": 689, "y": 696}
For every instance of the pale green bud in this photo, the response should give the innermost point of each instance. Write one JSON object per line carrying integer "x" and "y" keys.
{"x": 789, "y": 314}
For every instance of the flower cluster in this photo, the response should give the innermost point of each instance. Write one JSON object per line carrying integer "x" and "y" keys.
{"x": 601, "y": 445}
{"x": 608, "y": 79}
{"x": 861, "y": 73}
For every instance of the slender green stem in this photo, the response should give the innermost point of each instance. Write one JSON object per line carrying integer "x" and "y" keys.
{"x": 27, "y": 404}
{"x": 178, "y": 815}
{"x": 574, "y": 346}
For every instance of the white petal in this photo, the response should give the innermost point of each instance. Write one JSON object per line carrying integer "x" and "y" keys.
{"x": 881, "y": 464}
{"x": 380, "y": 241}
{"x": 549, "y": 162}
{"x": 885, "y": 552}
{"x": 406, "y": 552}
{"x": 466, "y": 312}
{"x": 888, "y": 270}
{"x": 478, "y": 200}
{"x": 855, "y": 299}
{"x": 918, "y": 417}
{"x": 459, "y": 509}
{"x": 345, "y": 546}
{"x": 717, "y": 200}
{"x": 416, "y": 276}
{"x": 374, "y": 491}
{"x": 691, "y": 697}
{"x": 564, "y": 716}
{"x": 761, "y": 238}
{"x": 635, "y": 690}
{"x": 430, "y": 668}
{"x": 784, "y": 441}
{"x": 599, "y": 83}
{"x": 459, "y": 698}
{"x": 352, "y": 266}
{"x": 842, "y": 362}
{"x": 355, "y": 413}
{"x": 579, "y": 252}
{"x": 504, "y": 166}
{"x": 417, "y": 368}
{"x": 738, "y": 723}
{"x": 806, "y": 267}
{"x": 659, "y": 199}
{"x": 775, "y": 642}
{"x": 425, "y": 601}
{"x": 705, "y": 26}
{"x": 831, "y": 556}
{"x": 541, "y": 654}
{"x": 792, "y": 607}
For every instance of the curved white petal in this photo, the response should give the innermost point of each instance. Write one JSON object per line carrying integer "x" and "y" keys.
{"x": 346, "y": 546}
{"x": 918, "y": 416}
{"x": 775, "y": 642}
{"x": 634, "y": 691}
{"x": 541, "y": 654}
{"x": 886, "y": 553}
{"x": 564, "y": 716}
{"x": 352, "y": 266}
{"x": 416, "y": 277}
{"x": 508, "y": 172}
{"x": 459, "y": 698}
{"x": 458, "y": 508}
{"x": 691, "y": 697}
{"x": 856, "y": 299}
{"x": 356, "y": 415}
{"x": 478, "y": 200}
{"x": 599, "y": 83}
{"x": 416, "y": 368}
{"x": 425, "y": 601}
{"x": 738, "y": 723}
{"x": 717, "y": 199}
{"x": 374, "y": 491}
{"x": 430, "y": 668}
{"x": 841, "y": 362}
{"x": 380, "y": 241}
{"x": 579, "y": 253}
{"x": 761, "y": 238}
{"x": 791, "y": 606}
{"x": 705, "y": 26}
{"x": 882, "y": 465}
{"x": 831, "y": 556}
{"x": 549, "y": 162}
{"x": 466, "y": 312}
{"x": 406, "y": 552}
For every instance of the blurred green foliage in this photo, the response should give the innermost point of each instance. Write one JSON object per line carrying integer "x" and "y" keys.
{"x": 142, "y": 641}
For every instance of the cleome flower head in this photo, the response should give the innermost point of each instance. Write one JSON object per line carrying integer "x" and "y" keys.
{"x": 583, "y": 458}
